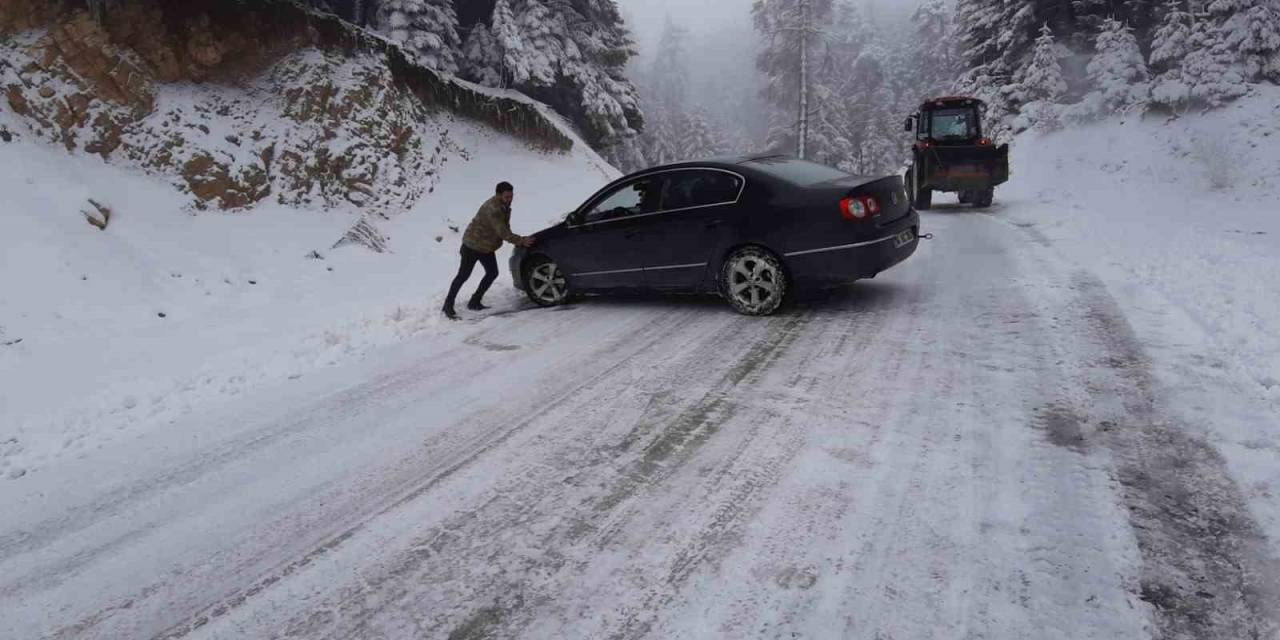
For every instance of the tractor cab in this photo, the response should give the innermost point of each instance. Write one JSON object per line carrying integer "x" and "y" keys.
{"x": 949, "y": 121}
{"x": 952, "y": 153}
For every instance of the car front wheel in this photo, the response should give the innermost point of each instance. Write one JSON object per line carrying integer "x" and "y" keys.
{"x": 753, "y": 281}
{"x": 545, "y": 284}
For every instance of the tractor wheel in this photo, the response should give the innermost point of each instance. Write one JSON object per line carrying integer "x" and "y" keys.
{"x": 924, "y": 199}
{"x": 921, "y": 198}
{"x": 983, "y": 198}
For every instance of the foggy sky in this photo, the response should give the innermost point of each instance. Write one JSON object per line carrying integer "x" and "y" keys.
{"x": 703, "y": 17}
{"x": 646, "y": 18}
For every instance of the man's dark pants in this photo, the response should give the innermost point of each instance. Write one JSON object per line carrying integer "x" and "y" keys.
{"x": 469, "y": 259}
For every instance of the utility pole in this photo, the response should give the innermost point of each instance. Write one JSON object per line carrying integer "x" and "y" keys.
{"x": 803, "y": 133}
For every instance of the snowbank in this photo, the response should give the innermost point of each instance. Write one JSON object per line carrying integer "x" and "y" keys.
{"x": 1179, "y": 219}
{"x": 105, "y": 334}
{"x": 1184, "y": 209}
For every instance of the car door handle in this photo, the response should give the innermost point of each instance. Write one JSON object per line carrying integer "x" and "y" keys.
{"x": 714, "y": 223}
{"x": 630, "y": 234}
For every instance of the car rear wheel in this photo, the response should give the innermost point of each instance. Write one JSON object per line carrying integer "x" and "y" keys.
{"x": 545, "y": 284}
{"x": 753, "y": 281}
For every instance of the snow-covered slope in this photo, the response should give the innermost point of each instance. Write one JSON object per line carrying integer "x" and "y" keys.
{"x": 1184, "y": 209}
{"x": 1180, "y": 220}
{"x": 112, "y": 332}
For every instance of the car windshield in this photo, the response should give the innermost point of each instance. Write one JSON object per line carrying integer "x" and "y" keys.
{"x": 639, "y": 196}
{"x": 799, "y": 172}
{"x": 953, "y": 124}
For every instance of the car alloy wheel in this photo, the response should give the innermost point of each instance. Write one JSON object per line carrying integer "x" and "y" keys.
{"x": 546, "y": 285}
{"x": 753, "y": 281}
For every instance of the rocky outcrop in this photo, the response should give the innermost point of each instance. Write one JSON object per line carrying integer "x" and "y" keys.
{"x": 242, "y": 103}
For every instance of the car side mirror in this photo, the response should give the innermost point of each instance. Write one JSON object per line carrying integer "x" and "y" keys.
{"x": 910, "y": 124}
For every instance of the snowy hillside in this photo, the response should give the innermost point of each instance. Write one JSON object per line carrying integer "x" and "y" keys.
{"x": 166, "y": 309}
{"x": 225, "y": 264}
{"x": 1178, "y": 214}
{"x": 1178, "y": 220}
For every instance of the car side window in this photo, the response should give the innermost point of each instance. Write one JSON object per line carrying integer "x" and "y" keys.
{"x": 634, "y": 198}
{"x": 699, "y": 188}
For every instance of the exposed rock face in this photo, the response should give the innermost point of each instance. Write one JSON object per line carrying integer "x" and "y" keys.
{"x": 239, "y": 104}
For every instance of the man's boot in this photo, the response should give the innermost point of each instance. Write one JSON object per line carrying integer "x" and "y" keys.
{"x": 449, "y": 312}
{"x": 476, "y": 305}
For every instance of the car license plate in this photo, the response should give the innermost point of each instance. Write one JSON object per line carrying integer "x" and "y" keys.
{"x": 903, "y": 239}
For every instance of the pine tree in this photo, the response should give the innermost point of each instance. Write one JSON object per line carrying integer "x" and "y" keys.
{"x": 1118, "y": 69}
{"x": 937, "y": 57}
{"x": 427, "y": 29}
{"x": 698, "y": 139}
{"x": 670, "y": 74}
{"x": 1040, "y": 87}
{"x": 482, "y": 57}
{"x": 1169, "y": 50}
{"x": 1172, "y": 39}
{"x": 1041, "y": 80}
{"x": 1251, "y": 29}
{"x": 571, "y": 54}
{"x": 793, "y": 31}
{"x": 1209, "y": 72}
{"x": 663, "y": 92}
{"x": 998, "y": 38}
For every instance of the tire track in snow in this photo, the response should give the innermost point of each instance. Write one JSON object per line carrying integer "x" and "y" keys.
{"x": 510, "y": 508}
{"x": 337, "y": 511}
{"x": 440, "y": 460}
{"x": 1207, "y": 572}
{"x": 736, "y": 490}
{"x": 1207, "y": 568}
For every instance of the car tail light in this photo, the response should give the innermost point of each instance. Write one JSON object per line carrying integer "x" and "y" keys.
{"x": 859, "y": 208}
{"x": 984, "y": 142}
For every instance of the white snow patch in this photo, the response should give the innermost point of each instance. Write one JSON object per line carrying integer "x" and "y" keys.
{"x": 111, "y": 333}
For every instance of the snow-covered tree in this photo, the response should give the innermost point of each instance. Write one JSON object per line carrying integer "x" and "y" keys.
{"x": 1251, "y": 29}
{"x": 1172, "y": 40}
{"x": 1118, "y": 70}
{"x": 936, "y": 53}
{"x": 1210, "y": 71}
{"x": 997, "y": 39}
{"x": 427, "y": 29}
{"x": 1169, "y": 50}
{"x": 570, "y": 54}
{"x": 699, "y": 139}
{"x": 794, "y": 33}
{"x": 482, "y": 57}
{"x": 669, "y": 76}
{"x": 1041, "y": 80}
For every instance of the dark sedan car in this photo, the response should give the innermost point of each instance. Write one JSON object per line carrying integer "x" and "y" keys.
{"x": 749, "y": 229}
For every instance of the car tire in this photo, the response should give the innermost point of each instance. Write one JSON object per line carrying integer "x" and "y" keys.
{"x": 966, "y": 197}
{"x": 753, "y": 281}
{"x": 544, "y": 283}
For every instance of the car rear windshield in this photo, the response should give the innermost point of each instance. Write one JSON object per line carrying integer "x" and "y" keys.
{"x": 800, "y": 172}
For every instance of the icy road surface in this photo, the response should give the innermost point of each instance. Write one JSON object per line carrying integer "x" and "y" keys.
{"x": 974, "y": 445}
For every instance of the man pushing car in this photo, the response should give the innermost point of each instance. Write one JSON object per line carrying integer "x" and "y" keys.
{"x": 480, "y": 243}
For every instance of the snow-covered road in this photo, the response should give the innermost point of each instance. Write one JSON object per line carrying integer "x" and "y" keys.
{"x": 973, "y": 445}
